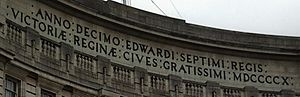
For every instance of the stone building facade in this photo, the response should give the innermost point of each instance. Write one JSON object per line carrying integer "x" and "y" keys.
{"x": 94, "y": 48}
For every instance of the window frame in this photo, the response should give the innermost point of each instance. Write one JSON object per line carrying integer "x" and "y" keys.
{"x": 16, "y": 87}
{"x": 48, "y": 93}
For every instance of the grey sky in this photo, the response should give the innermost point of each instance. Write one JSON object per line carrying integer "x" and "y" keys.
{"x": 276, "y": 17}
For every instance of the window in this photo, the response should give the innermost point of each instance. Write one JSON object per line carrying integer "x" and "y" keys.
{"x": 47, "y": 94}
{"x": 11, "y": 87}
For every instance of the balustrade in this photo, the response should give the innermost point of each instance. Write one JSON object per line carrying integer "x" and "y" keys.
{"x": 49, "y": 49}
{"x": 193, "y": 89}
{"x": 268, "y": 94}
{"x": 227, "y": 92}
{"x": 85, "y": 62}
{"x": 14, "y": 33}
{"x": 158, "y": 83}
{"x": 122, "y": 74}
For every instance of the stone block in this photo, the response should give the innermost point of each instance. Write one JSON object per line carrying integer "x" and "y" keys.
{"x": 141, "y": 80}
{"x": 175, "y": 86}
{"x": 28, "y": 94}
{"x": 30, "y": 88}
{"x": 213, "y": 89}
{"x": 287, "y": 93}
{"x": 140, "y": 73}
{"x": 251, "y": 91}
{"x": 66, "y": 57}
{"x": 103, "y": 64}
{"x": 32, "y": 42}
{"x": 104, "y": 69}
{"x": 68, "y": 88}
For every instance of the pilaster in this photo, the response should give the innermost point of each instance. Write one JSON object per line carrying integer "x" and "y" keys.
{"x": 67, "y": 57}
{"x": 104, "y": 70}
{"x": 213, "y": 89}
{"x": 251, "y": 91}
{"x": 287, "y": 93}
{"x": 32, "y": 43}
{"x": 175, "y": 86}
{"x": 141, "y": 81}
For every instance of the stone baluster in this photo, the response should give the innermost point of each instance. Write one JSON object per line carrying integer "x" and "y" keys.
{"x": 119, "y": 73}
{"x": 194, "y": 91}
{"x": 12, "y": 34}
{"x": 187, "y": 88}
{"x": 157, "y": 84}
{"x": 81, "y": 61}
{"x": 84, "y": 63}
{"x": 8, "y": 30}
{"x": 160, "y": 83}
{"x": 164, "y": 84}
{"x": 152, "y": 80}
{"x": 78, "y": 60}
{"x": 51, "y": 50}
{"x": 43, "y": 47}
{"x": 92, "y": 65}
{"x": 18, "y": 36}
{"x": 46, "y": 44}
{"x": 114, "y": 72}
{"x": 200, "y": 90}
{"x": 122, "y": 74}
{"x": 225, "y": 93}
{"x": 128, "y": 76}
{"x": 88, "y": 64}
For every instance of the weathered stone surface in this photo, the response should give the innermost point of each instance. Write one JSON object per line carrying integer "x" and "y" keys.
{"x": 251, "y": 91}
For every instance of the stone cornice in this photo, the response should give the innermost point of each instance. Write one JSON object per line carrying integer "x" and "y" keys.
{"x": 110, "y": 13}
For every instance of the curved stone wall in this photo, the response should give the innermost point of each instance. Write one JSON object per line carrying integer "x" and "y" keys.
{"x": 88, "y": 48}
